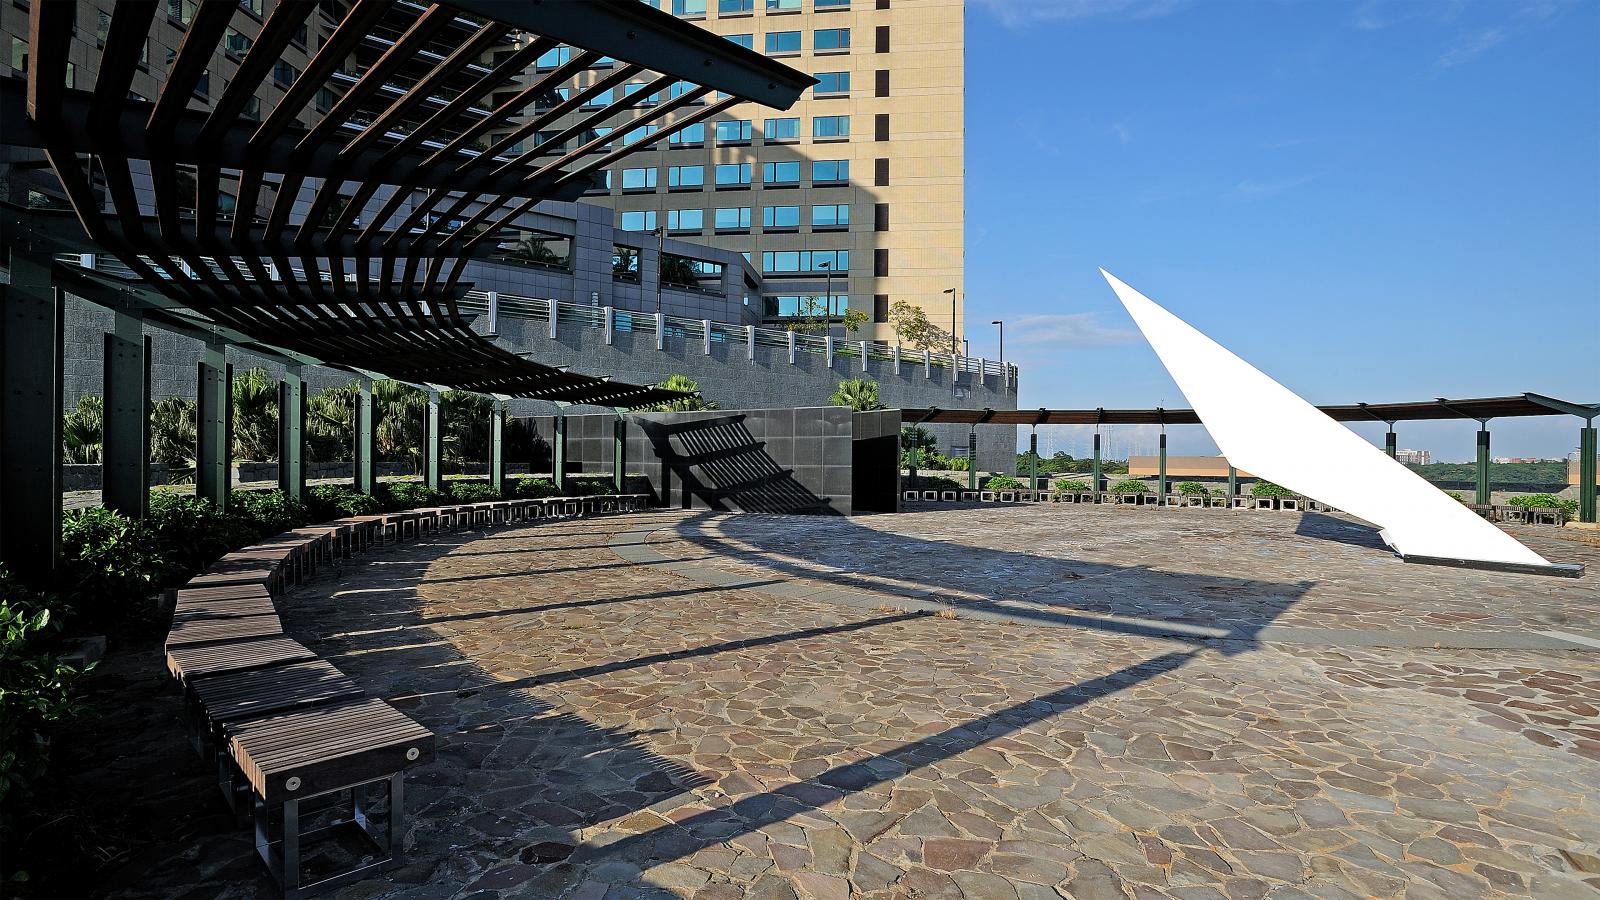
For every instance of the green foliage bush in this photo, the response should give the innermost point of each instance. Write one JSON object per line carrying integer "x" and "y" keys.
{"x": 956, "y": 464}
{"x": 268, "y": 512}
{"x": 190, "y": 533}
{"x": 109, "y": 562}
{"x": 1544, "y": 501}
{"x": 588, "y": 487}
{"x": 472, "y": 491}
{"x": 409, "y": 495}
{"x": 1004, "y": 483}
{"x": 1264, "y": 488}
{"x": 534, "y": 488}
{"x": 938, "y": 483}
{"x": 1193, "y": 489}
{"x": 338, "y": 501}
{"x": 36, "y": 688}
{"x": 1130, "y": 486}
{"x": 1070, "y": 486}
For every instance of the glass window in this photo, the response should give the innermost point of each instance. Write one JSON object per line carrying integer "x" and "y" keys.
{"x": 744, "y": 40}
{"x": 733, "y": 217}
{"x": 793, "y": 306}
{"x": 783, "y": 41}
{"x": 689, "y": 135}
{"x": 640, "y": 133}
{"x": 805, "y": 261}
{"x": 830, "y": 126}
{"x": 735, "y": 6}
{"x": 830, "y": 170}
{"x": 19, "y": 54}
{"x": 832, "y": 83}
{"x": 638, "y": 179}
{"x": 255, "y": 6}
{"x": 284, "y": 74}
{"x": 782, "y": 5}
{"x": 733, "y": 131}
{"x": 648, "y": 100}
{"x": 236, "y": 42}
{"x": 831, "y": 39}
{"x": 686, "y": 176}
{"x": 555, "y": 56}
{"x": 601, "y": 99}
{"x": 639, "y": 220}
{"x": 733, "y": 173}
{"x": 780, "y": 173}
{"x": 830, "y": 215}
{"x": 679, "y": 88}
{"x": 688, "y": 7}
{"x": 833, "y": 4}
{"x": 252, "y": 108}
{"x": 686, "y": 219}
{"x": 780, "y": 217}
{"x": 786, "y": 129}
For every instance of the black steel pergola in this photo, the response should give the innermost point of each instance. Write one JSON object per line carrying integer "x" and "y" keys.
{"x": 333, "y": 234}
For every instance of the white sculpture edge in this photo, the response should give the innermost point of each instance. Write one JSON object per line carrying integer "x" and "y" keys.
{"x": 1269, "y": 431}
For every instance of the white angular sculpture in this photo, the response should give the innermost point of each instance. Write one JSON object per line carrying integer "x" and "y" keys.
{"x": 1268, "y": 430}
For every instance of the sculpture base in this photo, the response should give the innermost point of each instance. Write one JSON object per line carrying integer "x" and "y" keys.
{"x": 1559, "y": 570}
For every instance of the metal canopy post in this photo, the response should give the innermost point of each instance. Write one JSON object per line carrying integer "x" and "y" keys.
{"x": 433, "y": 442}
{"x": 1483, "y": 463}
{"x": 619, "y": 449}
{"x": 1094, "y": 467}
{"x": 972, "y": 459}
{"x": 31, "y": 326}
{"x": 213, "y": 426}
{"x": 125, "y": 454}
{"x": 558, "y": 454}
{"x": 365, "y": 452}
{"x": 1586, "y": 472}
{"x": 1233, "y": 484}
{"x": 1391, "y": 444}
{"x": 292, "y": 433}
{"x": 1161, "y": 474}
{"x": 497, "y": 446}
{"x": 1033, "y": 450}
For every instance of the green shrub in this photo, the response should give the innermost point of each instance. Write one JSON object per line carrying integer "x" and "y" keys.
{"x": 1130, "y": 486}
{"x": 1193, "y": 489}
{"x": 1264, "y": 488}
{"x": 338, "y": 501}
{"x": 534, "y": 488}
{"x": 409, "y": 495}
{"x": 473, "y": 491}
{"x": 939, "y": 483}
{"x": 1544, "y": 501}
{"x": 1456, "y": 496}
{"x": 268, "y": 512}
{"x": 589, "y": 487}
{"x": 1004, "y": 483}
{"x": 190, "y": 533}
{"x": 108, "y": 563}
{"x": 35, "y": 686}
{"x": 956, "y": 464}
{"x": 1070, "y": 486}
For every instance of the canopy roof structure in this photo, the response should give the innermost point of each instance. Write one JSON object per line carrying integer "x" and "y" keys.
{"x": 1481, "y": 409}
{"x": 344, "y": 242}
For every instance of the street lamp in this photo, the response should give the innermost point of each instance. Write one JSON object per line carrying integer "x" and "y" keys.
{"x": 952, "y": 293}
{"x": 661, "y": 251}
{"x": 827, "y": 295}
{"x": 1002, "y": 341}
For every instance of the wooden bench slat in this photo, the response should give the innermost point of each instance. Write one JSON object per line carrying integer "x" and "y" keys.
{"x": 326, "y": 747}
{"x": 187, "y": 663}
{"x": 220, "y": 630}
{"x": 227, "y": 698}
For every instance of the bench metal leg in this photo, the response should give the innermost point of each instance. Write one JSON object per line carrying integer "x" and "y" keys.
{"x": 281, "y": 851}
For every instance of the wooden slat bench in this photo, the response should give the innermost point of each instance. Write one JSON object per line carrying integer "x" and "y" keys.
{"x": 190, "y": 662}
{"x": 291, "y": 758}
{"x": 218, "y": 631}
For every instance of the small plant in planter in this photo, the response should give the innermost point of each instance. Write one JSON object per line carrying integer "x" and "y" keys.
{"x": 1266, "y": 488}
{"x": 940, "y": 483}
{"x": 1004, "y": 483}
{"x": 535, "y": 488}
{"x": 1070, "y": 486}
{"x": 1130, "y": 486}
{"x": 1544, "y": 501}
{"x": 1193, "y": 489}
{"x": 473, "y": 491}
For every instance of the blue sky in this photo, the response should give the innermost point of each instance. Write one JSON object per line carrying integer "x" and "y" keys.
{"x": 1369, "y": 202}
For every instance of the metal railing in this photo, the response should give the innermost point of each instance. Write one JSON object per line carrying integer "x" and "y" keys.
{"x": 696, "y": 331}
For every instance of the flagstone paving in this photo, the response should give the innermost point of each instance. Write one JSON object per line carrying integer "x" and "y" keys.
{"x": 710, "y": 706}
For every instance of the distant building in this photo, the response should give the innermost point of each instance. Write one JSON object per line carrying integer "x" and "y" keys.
{"x": 1521, "y": 459}
{"x": 1416, "y": 457}
{"x": 1181, "y": 467}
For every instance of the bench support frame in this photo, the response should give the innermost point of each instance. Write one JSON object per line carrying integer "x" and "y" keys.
{"x": 282, "y": 855}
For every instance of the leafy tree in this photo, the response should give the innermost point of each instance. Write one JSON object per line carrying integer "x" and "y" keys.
{"x": 331, "y": 422}
{"x": 860, "y": 394}
{"x": 816, "y": 318}
{"x": 912, "y": 328}
{"x": 83, "y": 431}
{"x": 400, "y": 411}
{"x": 682, "y": 404}
{"x": 536, "y": 250}
{"x": 466, "y": 421}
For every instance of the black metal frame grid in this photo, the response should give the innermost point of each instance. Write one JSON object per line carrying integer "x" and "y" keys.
{"x": 1480, "y": 409}
{"x": 356, "y": 259}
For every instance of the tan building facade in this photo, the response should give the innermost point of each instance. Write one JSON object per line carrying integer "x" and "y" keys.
{"x": 1181, "y": 467}
{"x": 863, "y": 178}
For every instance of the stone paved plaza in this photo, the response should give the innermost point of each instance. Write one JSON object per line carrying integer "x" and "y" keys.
{"x": 1010, "y": 703}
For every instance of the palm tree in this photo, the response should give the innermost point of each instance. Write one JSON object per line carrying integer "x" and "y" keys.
{"x": 399, "y": 409}
{"x": 83, "y": 431}
{"x": 537, "y": 251}
{"x": 678, "y": 270}
{"x": 255, "y": 415}
{"x": 860, "y": 394}
{"x": 173, "y": 438}
{"x": 330, "y": 422}
{"x": 682, "y": 404}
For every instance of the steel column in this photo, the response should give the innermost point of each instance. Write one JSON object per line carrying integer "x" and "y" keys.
{"x": 30, "y": 420}
{"x": 125, "y": 451}
{"x": 1483, "y": 465}
{"x": 292, "y": 433}
{"x": 1094, "y": 469}
{"x": 1161, "y": 474}
{"x": 1233, "y": 484}
{"x": 1033, "y": 449}
{"x": 558, "y": 455}
{"x": 433, "y": 443}
{"x": 619, "y": 450}
{"x": 365, "y": 452}
{"x": 497, "y": 447}
{"x": 214, "y": 427}
{"x": 972, "y": 459}
{"x": 1586, "y": 473}
{"x": 1390, "y": 444}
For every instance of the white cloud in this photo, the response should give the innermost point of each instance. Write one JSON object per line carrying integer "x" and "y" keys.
{"x": 1251, "y": 189}
{"x": 1470, "y": 48}
{"x": 1123, "y": 133}
{"x": 1066, "y": 330}
{"x": 1023, "y": 13}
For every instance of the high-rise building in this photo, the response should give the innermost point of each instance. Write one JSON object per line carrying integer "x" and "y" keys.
{"x": 850, "y": 200}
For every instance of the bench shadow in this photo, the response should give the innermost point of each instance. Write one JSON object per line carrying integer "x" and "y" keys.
{"x": 1344, "y": 531}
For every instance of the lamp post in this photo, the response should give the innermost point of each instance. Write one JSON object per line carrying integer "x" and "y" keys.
{"x": 1002, "y": 341}
{"x": 952, "y": 293}
{"x": 661, "y": 251}
{"x": 827, "y": 295}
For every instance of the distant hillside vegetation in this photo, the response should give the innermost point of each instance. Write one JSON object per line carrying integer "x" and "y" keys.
{"x": 1541, "y": 473}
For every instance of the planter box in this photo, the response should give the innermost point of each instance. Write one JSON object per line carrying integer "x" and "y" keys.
{"x": 947, "y": 496}
{"x": 969, "y": 496}
{"x": 1548, "y": 515}
{"x": 1089, "y": 497}
{"x": 1008, "y": 496}
{"x": 910, "y": 495}
{"x": 1242, "y": 503}
{"x": 1517, "y": 515}
{"x": 1173, "y": 500}
{"x": 1195, "y": 500}
{"x": 986, "y": 496}
{"x": 1127, "y": 499}
{"x": 1289, "y": 503}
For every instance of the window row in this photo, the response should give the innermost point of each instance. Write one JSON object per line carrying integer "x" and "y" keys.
{"x": 823, "y": 172}
{"x": 809, "y": 306}
{"x": 830, "y": 215}
{"x": 743, "y": 7}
